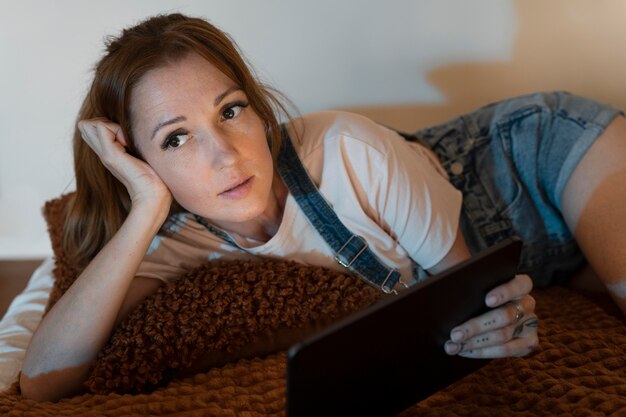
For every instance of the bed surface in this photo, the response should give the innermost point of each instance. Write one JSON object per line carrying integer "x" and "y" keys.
{"x": 579, "y": 369}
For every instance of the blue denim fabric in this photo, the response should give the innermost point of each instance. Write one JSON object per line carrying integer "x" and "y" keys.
{"x": 511, "y": 160}
{"x": 350, "y": 250}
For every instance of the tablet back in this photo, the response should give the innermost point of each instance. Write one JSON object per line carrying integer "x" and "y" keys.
{"x": 389, "y": 356}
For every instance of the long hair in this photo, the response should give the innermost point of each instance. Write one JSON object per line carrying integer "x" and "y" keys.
{"x": 101, "y": 203}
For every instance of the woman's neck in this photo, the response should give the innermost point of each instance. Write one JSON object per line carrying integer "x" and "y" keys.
{"x": 263, "y": 227}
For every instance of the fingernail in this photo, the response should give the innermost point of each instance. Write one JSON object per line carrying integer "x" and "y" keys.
{"x": 492, "y": 300}
{"x": 457, "y": 336}
{"x": 451, "y": 348}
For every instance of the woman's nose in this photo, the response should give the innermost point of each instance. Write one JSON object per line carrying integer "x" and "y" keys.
{"x": 220, "y": 151}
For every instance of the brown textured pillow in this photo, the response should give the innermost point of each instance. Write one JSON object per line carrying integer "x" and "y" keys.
{"x": 219, "y": 312}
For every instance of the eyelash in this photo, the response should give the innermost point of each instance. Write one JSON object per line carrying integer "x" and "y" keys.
{"x": 241, "y": 104}
{"x": 167, "y": 143}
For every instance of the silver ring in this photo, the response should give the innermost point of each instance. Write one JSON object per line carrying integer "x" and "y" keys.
{"x": 519, "y": 313}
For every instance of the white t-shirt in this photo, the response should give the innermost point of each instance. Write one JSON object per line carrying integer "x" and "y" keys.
{"x": 393, "y": 193}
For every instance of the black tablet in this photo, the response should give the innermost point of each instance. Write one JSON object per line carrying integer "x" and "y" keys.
{"x": 389, "y": 356}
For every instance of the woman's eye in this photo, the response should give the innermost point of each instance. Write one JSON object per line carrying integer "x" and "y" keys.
{"x": 174, "y": 141}
{"x": 233, "y": 111}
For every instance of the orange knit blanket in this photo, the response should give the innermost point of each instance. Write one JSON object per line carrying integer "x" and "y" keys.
{"x": 579, "y": 369}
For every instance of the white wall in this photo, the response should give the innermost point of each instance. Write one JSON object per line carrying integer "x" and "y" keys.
{"x": 406, "y": 63}
{"x": 322, "y": 54}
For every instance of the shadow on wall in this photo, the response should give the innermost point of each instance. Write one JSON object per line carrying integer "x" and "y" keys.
{"x": 571, "y": 45}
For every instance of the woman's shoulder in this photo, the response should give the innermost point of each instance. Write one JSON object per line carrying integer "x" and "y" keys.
{"x": 182, "y": 227}
{"x": 338, "y": 128}
{"x": 334, "y": 118}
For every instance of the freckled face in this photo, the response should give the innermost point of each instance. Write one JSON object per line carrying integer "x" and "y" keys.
{"x": 194, "y": 127}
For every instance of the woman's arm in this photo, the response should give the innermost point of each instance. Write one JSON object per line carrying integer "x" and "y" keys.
{"x": 423, "y": 212}
{"x": 73, "y": 332}
{"x": 457, "y": 254}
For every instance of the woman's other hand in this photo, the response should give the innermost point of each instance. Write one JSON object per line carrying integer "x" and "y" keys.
{"x": 107, "y": 140}
{"x": 510, "y": 329}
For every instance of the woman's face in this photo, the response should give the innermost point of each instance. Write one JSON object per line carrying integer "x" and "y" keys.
{"x": 194, "y": 127}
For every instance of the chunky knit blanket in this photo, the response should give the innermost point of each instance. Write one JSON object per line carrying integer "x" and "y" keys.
{"x": 578, "y": 369}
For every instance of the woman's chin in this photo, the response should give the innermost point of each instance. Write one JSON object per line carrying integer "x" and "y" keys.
{"x": 232, "y": 216}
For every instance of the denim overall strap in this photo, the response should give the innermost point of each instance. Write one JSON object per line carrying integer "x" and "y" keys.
{"x": 350, "y": 250}
{"x": 217, "y": 232}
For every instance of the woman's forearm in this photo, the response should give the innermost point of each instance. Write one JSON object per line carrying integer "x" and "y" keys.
{"x": 73, "y": 332}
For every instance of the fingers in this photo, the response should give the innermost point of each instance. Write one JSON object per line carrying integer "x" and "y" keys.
{"x": 119, "y": 135}
{"x": 514, "y": 289}
{"x": 107, "y": 140}
{"x": 103, "y": 136}
{"x": 508, "y": 330}
{"x": 498, "y": 318}
{"x": 143, "y": 184}
{"x": 514, "y": 340}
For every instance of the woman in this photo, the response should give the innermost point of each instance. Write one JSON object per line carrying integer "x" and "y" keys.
{"x": 177, "y": 161}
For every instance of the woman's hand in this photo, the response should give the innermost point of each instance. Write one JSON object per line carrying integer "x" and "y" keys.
{"x": 510, "y": 329}
{"x": 107, "y": 140}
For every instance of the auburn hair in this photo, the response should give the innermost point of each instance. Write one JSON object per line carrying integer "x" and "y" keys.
{"x": 101, "y": 203}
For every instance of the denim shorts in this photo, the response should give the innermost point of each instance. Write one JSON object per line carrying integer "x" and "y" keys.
{"x": 512, "y": 160}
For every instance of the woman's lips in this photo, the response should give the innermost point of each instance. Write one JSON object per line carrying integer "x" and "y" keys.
{"x": 238, "y": 190}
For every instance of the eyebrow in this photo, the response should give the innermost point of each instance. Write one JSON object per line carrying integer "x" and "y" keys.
{"x": 177, "y": 119}
{"x": 166, "y": 123}
{"x": 229, "y": 90}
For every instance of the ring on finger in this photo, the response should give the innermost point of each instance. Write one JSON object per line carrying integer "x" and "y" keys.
{"x": 519, "y": 313}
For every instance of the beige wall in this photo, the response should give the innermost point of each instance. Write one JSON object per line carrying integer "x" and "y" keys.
{"x": 574, "y": 45}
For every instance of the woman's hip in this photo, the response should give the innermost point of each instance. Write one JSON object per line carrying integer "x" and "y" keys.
{"x": 511, "y": 160}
